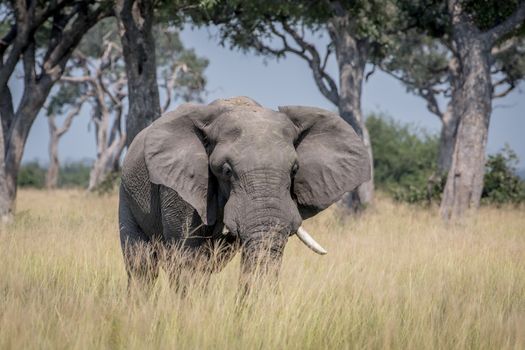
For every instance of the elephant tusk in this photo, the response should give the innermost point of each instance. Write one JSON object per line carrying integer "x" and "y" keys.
{"x": 310, "y": 242}
{"x": 225, "y": 230}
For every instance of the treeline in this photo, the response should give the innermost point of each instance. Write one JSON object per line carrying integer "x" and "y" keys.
{"x": 404, "y": 161}
{"x": 71, "y": 175}
{"x": 123, "y": 60}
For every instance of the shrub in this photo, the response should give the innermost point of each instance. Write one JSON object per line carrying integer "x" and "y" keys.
{"x": 31, "y": 174}
{"x": 74, "y": 174}
{"x": 109, "y": 185}
{"x": 404, "y": 159}
{"x": 502, "y": 183}
{"x": 405, "y": 166}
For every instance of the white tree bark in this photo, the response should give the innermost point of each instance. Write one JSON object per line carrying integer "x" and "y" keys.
{"x": 55, "y": 134}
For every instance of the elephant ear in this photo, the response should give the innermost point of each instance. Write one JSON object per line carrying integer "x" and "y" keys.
{"x": 332, "y": 158}
{"x": 176, "y": 157}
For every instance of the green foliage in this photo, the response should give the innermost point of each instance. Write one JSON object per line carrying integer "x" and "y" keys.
{"x": 110, "y": 183}
{"x": 420, "y": 57}
{"x": 420, "y": 62}
{"x": 177, "y": 62}
{"x": 180, "y": 70}
{"x": 501, "y": 182}
{"x": 64, "y": 97}
{"x": 245, "y": 24}
{"x": 421, "y": 193}
{"x": 91, "y": 44}
{"x": 404, "y": 158}
{"x": 74, "y": 174}
{"x": 405, "y": 166}
{"x": 32, "y": 174}
{"x": 71, "y": 175}
{"x": 489, "y": 13}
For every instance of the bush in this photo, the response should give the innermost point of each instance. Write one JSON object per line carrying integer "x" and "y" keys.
{"x": 404, "y": 159}
{"x": 32, "y": 174}
{"x": 405, "y": 166}
{"x": 71, "y": 175}
{"x": 74, "y": 174}
{"x": 109, "y": 185}
{"x": 502, "y": 183}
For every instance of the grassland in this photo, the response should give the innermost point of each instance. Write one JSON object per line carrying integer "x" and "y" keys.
{"x": 395, "y": 278}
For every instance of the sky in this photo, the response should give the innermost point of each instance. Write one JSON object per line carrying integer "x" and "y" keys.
{"x": 288, "y": 81}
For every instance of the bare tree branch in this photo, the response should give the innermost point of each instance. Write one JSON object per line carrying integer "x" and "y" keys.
{"x": 77, "y": 79}
{"x": 505, "y": 46}
{"x": 169, "y": 85}
{"x": 58, "y": 56}
{"x": 324, "y": 81}
{"x": 328, "y": 52}
{"x": 428, "y": 93}
{"x": 70, "y": 115}
{"x": 511, "y": 23}
{"x": 432, "y": 104}
{"x": 510, "y": 87}
{"x": 27, "y": 22}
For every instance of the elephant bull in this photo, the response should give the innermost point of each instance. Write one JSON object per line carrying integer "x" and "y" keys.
{"x": 233, "y": 175}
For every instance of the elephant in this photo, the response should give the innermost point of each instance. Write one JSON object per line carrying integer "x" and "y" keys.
{"x": 213, "y": 180}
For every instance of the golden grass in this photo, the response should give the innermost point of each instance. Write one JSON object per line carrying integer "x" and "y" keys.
{"x": 396, "y": 278}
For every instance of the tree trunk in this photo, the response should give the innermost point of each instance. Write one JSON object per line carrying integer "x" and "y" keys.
{"x": 135, "y": 24}
{"x": 39, "y": 78}
{"x": 5, "y": 203}
{"x": 7, "y": 115}
{"x": 449, "y": 121}
{"x": 473, "y": 108}
{"x": 352, "y": 56}
{"x": 449, "y": 124}
{"x": 54, "y": 165}
{"x": 32, "y": 101}
{"x": 105, "y": 163}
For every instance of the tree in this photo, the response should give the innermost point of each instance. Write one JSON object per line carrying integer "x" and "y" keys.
{"x": 59, "y": 102}
{"x": 104, "y": 84}
{"x": 356, "y": 32}
{"x": 502, "y": 184}
{"x": 41, "y": 35}
{"x": 481, "y": 36}
{"x": 429, "y": 70}
{"x": 474, "y": 36}
{"x": 135, "y": 18}
{"x": 404, "y": 156}
{"x": 97, "y": 75}
{"x": 428, "y": 67}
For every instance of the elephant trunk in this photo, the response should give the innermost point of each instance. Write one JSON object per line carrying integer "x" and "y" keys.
{"x": 261, "y": 259}
{"x": 261, "y": 211}
{"x": 263, "y": 237}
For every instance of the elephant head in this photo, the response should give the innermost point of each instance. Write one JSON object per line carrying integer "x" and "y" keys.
{"x": 256, "y": 171}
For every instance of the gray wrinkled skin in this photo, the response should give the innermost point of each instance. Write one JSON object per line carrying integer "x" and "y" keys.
{"x": 259, "y": 172}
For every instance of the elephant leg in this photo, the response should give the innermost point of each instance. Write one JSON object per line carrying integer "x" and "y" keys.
{"x": 140, "y": 252}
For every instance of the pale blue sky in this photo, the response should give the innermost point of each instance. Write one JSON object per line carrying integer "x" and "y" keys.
{"x": 289, "y": 81}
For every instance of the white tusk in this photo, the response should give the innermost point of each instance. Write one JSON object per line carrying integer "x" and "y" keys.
{"x": 310, "y": 242}
{"x": 225, "y": 230}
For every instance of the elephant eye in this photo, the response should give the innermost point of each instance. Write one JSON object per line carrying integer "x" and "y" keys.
{"x": 227, "y": 170}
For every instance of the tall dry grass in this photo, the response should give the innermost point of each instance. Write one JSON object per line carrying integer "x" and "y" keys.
{"x": 395, "y": 278}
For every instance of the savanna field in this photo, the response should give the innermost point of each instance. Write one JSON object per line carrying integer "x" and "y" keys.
{"x": 395, "y": 278}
